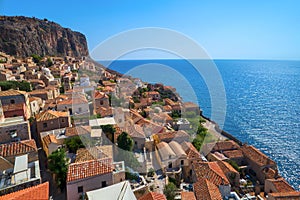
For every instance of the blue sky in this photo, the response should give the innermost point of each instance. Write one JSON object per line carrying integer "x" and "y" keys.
{"x": 226, "y": 29}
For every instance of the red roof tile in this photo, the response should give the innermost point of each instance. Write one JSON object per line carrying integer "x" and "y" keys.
{"x": 225, "y": 145}
{"x": 38, "y": 192}
{"x": 256, "y": 156}
{"x": 80, "y": 99}
{"x": 211, "y": 171}
{"x": 89, "y": 168}
{"x": 190, "y": 150}
{"x": 17, "y": 148}
{"x": 206, "y": 190}
{"x": 285, "y": 195}
{"x": 50, "y": 114}
{"x": 233, "y": 154}
{"x": 188, "y": 196}
{"x": 77, "y": 130}
{"x": 153, "y": 196}
{"x": 100, "y": 95}
{"x": 281, "y": 185}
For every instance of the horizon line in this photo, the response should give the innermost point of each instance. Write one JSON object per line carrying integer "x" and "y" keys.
{"x": 225, "y": 59}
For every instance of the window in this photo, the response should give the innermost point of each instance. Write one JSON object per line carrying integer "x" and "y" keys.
{"x": 103, "y": 183}
{"x": 63, "y": 120}
{"x": 12, "y": 101}
{"x": 45, "y": 125}
{"x": 182, "y": 162}
{"x": 101, "y": 102}
{"x": 80, "y": 189}
{"x": 170, "y": 165}
{"x": 80, "y": 109}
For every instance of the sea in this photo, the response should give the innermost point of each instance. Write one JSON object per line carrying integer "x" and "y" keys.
{"x": 261, "y": 104}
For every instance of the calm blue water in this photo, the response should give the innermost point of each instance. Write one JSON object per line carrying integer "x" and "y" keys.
{"x": 263, "y": 101}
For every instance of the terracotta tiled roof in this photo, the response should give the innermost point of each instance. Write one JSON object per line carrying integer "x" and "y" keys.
{"x": 167, "y": 108}
{"x": 281, "y": 185}
{"x": 172, "y": 134}
{"x": 149, "y": 126}
{"x": 74, "y": 100}
{"x": 285, "y": 195}
{"x": 169, "y": 102}
{"x": 190, "y": 150}
{"x": 38, "y": 192}
{"x": 82, "y": 170}
{"x": 34, "y": 99}
{"x": 190, "y": 105}
{"x": 162, "y": 117}
{"x": 153, "y": 196}
{"x": 93, "y": 153}
{"x": 11, "y": 93}
{"x": 50, "y": 114}
{"x": 206, "y": 190}
{"x": 17, "y": 148}
{"x": 135, "y": 116}
{"x": 256, "y": 156}
{"x": 135, "y": 131}
{"x": 100, "y": 95}
{"x": 39, "y": 91}
{"x": 211, "y": 171}
{"x": 77, "y": 130}
{"x": 226, "y": 167}
{"x": 233, "y": 154}
{"x": 188, "y": 196}
{"x": 50, "y": 138}
{"x": 225, "y": 145}
{"x": 104, "y": 111}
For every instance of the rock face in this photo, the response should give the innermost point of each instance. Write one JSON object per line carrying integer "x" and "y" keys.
{"x": 23, "y": 36}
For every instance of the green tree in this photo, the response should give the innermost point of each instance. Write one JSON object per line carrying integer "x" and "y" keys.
{"x": 109, "y": 131}
{"x": 58, "y": 164}
{"x": 125, "y": 142}
{"x": 200, "y": 136}
{"x": 74, "y": 143}
{"x": 151, "y": 172}
{"x": 49, "y": 62}
{"x": 36, "y": 58}
{"x": 23, "y": 85}
{"x": 170, "y": 191}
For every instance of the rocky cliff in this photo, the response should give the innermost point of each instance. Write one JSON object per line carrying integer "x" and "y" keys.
{"x": 23, "y": 36}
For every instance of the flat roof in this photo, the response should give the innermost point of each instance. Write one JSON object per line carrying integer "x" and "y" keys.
{"x": 102, "y": 121}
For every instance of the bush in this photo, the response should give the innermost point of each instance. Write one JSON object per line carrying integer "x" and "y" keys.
{"x": 74, "y": 143}
{"x": 234, "y": 165}
{"x": 131, "y": 176}
{"x": 151, "y": 172}
{"x": 49, "y": 62}
{"x": 125, "y": 142}
{"x": 170, "y": 191}
{"x": 36, "y": 58}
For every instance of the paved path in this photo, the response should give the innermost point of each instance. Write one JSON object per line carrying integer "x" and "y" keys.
{"x": 212, "y": 129}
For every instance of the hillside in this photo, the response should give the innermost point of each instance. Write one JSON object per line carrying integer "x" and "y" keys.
{"x": 23, "y": 36}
